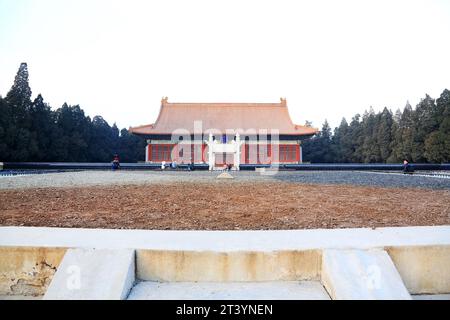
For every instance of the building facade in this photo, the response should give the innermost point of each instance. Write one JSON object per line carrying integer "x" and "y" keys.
{"x": 224, "y": 133}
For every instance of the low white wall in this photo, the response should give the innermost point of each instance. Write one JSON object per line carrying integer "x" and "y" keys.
{"x": 30, "y": 256}
{"x": 228, "y": 266}
{"x": 28, "y": 271}
{"x": 424, "y": 269}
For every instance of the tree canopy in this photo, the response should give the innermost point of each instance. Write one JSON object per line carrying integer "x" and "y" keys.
{"x": 32, "y": 131}
{"x": 418, "y": 135}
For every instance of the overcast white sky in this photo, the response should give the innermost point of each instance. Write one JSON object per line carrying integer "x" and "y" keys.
{"x": 328, "y": 58}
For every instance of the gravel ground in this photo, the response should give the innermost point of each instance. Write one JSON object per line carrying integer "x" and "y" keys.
{"x": 93, "y": 178}
{"x": 181, "y": 200}
{"x": 225, "y": 205}
{"x": 366, "y": 178}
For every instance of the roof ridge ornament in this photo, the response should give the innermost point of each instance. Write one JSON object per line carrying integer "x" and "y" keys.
{"x": 283, "y": 102}
{"x": 164, "y": 100}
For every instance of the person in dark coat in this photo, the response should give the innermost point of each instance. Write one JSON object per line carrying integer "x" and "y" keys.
{"x": 407, "y": 167}
{"x": 116, "y": 162}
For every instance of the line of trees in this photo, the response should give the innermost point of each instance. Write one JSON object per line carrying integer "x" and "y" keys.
{"x": 421, "y": 134}
{"x": 31, "y": 131}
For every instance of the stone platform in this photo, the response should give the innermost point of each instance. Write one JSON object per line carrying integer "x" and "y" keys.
{"x": 385, "y": 263}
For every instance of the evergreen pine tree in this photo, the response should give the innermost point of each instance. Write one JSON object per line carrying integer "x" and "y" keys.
{"x": 20, "y": 141}
{"x": 4, "y": 124}
{"x": 424, "y": 124}
{"x": 319, "y": 148}
{"x": 342, "y": 145}
{"x": 437, "y": 143}
{"x": 384, "y": 134}
{"x": 42, "y": 128}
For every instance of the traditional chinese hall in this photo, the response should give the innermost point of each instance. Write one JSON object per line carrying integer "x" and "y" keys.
{"x": 221, "y": 134}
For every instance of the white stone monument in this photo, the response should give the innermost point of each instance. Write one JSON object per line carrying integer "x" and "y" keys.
{"x": 233, "y": 147}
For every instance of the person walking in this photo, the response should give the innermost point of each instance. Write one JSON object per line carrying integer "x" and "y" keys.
{"x": 407, "y": 167}
{"x": 116, "y": 162}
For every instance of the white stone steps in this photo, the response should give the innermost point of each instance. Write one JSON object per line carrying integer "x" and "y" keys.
{"x": 361, "y": 275}
{"x": 91, "y": 274}
{"x": 351, "y": 263}
{"x": 273, "y": 290}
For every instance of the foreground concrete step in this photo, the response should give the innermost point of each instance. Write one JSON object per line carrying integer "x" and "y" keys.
{"x": 91, "y": 274}
{"x": 5, "y": 297}
{"x": 225, "y": 241}
{"x": 276, "y": 290}
{"x": 431, "y": 297}
{"x": 213, "y": 266}
{"x": 424, "y": 269}
{"x": 361, "y": 274}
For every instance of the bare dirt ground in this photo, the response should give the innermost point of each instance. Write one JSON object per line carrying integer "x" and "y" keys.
{"x": 224, "y": 206}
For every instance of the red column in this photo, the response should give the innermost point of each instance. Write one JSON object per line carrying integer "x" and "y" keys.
{"x": 243, "y": 150}
{"x": 203, "y": 151}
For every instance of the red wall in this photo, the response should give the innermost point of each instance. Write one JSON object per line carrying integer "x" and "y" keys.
{"x": 288, "y": 153}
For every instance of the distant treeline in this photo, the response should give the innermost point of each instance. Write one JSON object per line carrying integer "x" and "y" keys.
{"x": 31, "y": 131}
{"x": 418, "y": 135}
